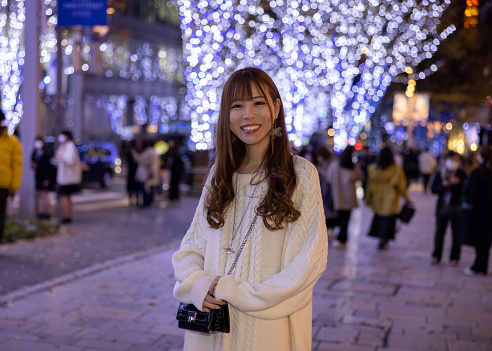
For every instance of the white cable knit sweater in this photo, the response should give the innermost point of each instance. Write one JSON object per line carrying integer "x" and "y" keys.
{"x": 270, "y": 291}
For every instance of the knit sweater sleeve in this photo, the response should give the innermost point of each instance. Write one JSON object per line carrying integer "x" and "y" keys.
{"x": 304, "y": 259}
{"x": 192, "y": 282}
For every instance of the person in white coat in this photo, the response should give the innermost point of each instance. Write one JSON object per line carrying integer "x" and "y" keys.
{"x": 147, "y": 175}
{"x": 342, "y": 176}
{"x": 255, "y": 183}
{"x": 69, "y": 173}
{"x": 427, "y": 167}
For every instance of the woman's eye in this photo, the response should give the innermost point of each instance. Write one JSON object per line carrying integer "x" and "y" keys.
{"x": 260, "y": 103}
{"x": 235, "y": 106}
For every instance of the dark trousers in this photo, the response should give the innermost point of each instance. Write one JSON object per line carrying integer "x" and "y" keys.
{"x": 146, "y": 194}
{"x": 343, "y": 220}
{"x": 425, "y": 181}
{"x": 454, "y": 215}
{"x": 4, "y": 194}
{"x": 481, "y": 259}
{"x": 174, "y": 186}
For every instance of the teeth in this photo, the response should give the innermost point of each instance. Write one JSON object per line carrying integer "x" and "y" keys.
{"x": 249, "y": 128}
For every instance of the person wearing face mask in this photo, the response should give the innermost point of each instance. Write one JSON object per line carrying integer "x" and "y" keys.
{"x": 448, "y": 184}
{"x": 45, "y": 177}
{"x": 477, "y": 229}
{"x": 10, "y": 169}
{"x": 69, "y": 174}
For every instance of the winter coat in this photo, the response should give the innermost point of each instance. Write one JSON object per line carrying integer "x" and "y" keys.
{"x": 427, "y": 163}
{"x": 450, "y": 196}
{"x": 10, "y": 161}
{"x": 148, "y": 167}
{"x": 478, "y": 195}
{"x": 69, "y": 166}
{"x": 342, "y": 181}
{"x": 384, "y": 188}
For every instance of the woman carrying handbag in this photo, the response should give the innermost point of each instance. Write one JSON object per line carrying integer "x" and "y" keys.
{"x": 282, "y": 253}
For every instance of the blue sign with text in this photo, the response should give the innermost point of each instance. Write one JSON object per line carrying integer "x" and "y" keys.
{"x": 85, "y": 13}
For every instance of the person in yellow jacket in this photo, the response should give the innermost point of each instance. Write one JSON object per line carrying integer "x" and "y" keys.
{"x": 10, "y": 169}
{"x": 386, "y": 183}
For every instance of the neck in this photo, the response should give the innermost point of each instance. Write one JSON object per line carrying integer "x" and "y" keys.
{"x": 253, "y": 157}
{"x": 253, "y": 160}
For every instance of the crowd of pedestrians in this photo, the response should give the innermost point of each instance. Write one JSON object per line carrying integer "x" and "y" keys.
{"x": 147, "y": 170}
{"x": 463, "y": 188}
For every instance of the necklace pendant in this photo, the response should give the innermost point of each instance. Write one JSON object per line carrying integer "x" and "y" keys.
{"x": 228, "y": 249}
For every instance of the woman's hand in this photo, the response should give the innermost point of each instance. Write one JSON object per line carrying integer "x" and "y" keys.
{"x": 210, "y": 302}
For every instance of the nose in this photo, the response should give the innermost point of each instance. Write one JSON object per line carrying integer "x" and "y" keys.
{"x": 249, "y": 111}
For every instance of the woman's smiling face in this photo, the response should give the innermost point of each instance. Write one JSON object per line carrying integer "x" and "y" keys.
{"x": 251, "y": 119}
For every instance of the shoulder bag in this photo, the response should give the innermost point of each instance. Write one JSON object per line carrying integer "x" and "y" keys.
{"x": 191, "y": 318}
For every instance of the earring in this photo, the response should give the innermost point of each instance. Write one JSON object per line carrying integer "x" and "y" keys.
{"x": 277, "y": 132}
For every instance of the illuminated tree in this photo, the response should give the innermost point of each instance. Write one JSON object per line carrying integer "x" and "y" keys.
{"x": 12, "y": 52}
{"x": 333, "y": 59}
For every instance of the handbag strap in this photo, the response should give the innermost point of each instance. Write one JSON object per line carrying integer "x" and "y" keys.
{"x": 242, "y": 244}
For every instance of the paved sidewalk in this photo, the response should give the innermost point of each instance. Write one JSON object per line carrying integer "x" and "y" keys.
{"x": 366, "y": 300}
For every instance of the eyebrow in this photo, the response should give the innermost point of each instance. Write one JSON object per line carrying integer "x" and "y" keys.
{"x": 254, "y": 97}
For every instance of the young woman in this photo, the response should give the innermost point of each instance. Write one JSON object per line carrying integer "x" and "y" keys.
{"x": 69, "y": 174}
{"x": 270, "y": 290}
{"x": 477, "y": 194}
{"x": 385, "y": 185}
{"x": 45, "y": 174}
{"x": 342, "y": 176}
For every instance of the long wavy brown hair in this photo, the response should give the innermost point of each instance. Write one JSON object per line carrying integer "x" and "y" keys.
{"x": 277, "y": 206}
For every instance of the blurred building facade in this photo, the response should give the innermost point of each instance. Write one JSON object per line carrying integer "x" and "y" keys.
{"x": 116, "y": 81}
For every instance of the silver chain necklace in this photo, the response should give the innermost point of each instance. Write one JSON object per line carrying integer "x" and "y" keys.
{"x": 229, "y": 248}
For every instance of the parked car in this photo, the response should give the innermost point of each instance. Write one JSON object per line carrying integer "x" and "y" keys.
{"x": 99, "y": 159}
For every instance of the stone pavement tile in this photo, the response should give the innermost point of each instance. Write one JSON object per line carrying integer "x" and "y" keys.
{"x": 449, "y": 322}
{"x": 459, "y": 345}
{"x": 400, "y": 327}
{"x": 410, "y": 310}
{"x": 366, "y": 314}
{"x": 105, "y": 313}
{"x": 477, "y": 339}
{"x": 420, "y": 340}
{"x": 396, "y": 316}
{"x": 13, "y": 345}
{"x": 367, "y": 304}
{"x": 91, "y": 333}
{"x": 52, "y": 321}
{"x": 338, "y": 334}
{"x": 369, "y": 336}
{"x": 328, "y": 346}
{"x": 135, "y": 326}
{"x": 93, "y": 344}
{"x": 62, "y": 340}
{"x": 131, "y": 337}
{"x": 419, "y": 294}
{"x": 170, "y": 341}
{"x": 364, "y": 321}
{"x": 399, "y": 348}
{"x": 19, "y": 336}
{"x": 19, "y": 325}
{"x": 475, "y": 314}
{"x": 146, "y": 348}
{"x": 173, "y": 329}
{"x": 90, "y": 322}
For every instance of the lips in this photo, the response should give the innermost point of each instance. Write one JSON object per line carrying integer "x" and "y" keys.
{"x": 250, "y": 128}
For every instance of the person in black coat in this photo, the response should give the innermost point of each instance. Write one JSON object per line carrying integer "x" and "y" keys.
{"x": 448, "y": 184}
{"x": 131, "y": 182}
{"x": 45, "y": 175}
{"x": 478, "y": 195}
{"x": 176, "y": 168}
